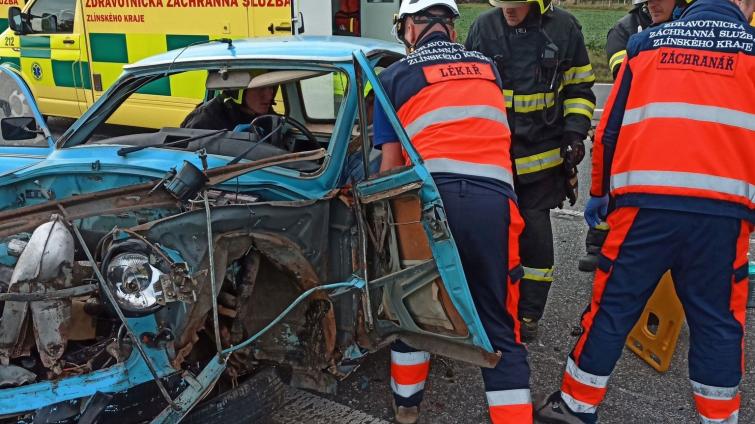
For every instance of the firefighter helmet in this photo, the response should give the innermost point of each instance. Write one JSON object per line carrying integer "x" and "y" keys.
{"x": 542, "y": 4}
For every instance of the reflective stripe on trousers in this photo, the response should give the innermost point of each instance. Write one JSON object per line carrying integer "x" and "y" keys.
{"x": 509, "y": 406}
{"x": 716, "y": 404}
{"x": 582, "y": 391}
{"x": 538, "y": 274}
{"x": 409, "y": 372}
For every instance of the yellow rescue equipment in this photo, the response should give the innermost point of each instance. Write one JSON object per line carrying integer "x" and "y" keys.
{"x": 654, "y": 336}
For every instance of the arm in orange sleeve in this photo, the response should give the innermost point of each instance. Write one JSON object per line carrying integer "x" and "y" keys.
{"x": 607, "y": 132}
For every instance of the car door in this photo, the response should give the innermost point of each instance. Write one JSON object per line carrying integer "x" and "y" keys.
{"x": 416, "y": 284}
{"x": 24, "y": 137}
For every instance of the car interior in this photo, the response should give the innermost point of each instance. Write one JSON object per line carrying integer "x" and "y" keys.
{"x": 306, "y": 107}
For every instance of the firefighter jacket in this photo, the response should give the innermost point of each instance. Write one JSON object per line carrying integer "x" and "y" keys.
{"x": 616, "y": 43}
{"x": 678, "y": 131}
{"x": 547, "y": 80}
{"x": 449, "y": 102}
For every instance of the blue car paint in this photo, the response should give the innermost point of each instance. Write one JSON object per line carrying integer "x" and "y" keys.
{"x": 153, "y": 164}
{"x": 116, "y": 378}
{"x": 65, "y": 168}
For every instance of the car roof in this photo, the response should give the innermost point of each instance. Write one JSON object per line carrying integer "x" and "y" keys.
{"x": 315, "y": 48}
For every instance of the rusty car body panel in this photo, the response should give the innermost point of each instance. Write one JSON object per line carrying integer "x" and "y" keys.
{"x": 188, "y": 260}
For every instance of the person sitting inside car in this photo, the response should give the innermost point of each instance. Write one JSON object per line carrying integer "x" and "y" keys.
{"x": 233, "y": 108}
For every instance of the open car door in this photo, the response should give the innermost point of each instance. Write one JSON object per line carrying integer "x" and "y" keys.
{"x": 24, "y": 136}
{"x": 416, "y": 284}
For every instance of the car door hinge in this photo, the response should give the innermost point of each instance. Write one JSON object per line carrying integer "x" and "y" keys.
{"x": 435, "y": 216}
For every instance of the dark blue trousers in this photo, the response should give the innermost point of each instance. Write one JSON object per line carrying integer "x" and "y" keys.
{"x": 707, "y": 256}
{"x": 486, "y": 225}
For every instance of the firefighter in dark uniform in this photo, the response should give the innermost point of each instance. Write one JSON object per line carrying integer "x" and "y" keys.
{"x": 547, "y": 78}
{"x": 616, "y": 43}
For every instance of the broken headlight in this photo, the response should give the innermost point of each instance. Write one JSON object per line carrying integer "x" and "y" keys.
{"x": 142, "y": 276}
{"x": 133, "y": 281}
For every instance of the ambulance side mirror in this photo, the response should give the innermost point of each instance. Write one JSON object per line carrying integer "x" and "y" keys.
{"x": 19, "y": 128}
{"x": 16, "y": 20}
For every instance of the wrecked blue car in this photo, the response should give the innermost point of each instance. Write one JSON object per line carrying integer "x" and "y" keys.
{"x": 182, "y": 274}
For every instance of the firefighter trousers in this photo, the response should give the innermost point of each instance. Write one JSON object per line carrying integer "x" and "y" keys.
{"x": 485, "y": 224}
{"x": 707, "y": 256}
{"x": 535, "y": 200}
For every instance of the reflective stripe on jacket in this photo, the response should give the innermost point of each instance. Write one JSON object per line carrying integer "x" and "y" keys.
{"x": 616, "y": 42}
{"x": 678, "y": 131}
{"x": 540, "y": 107}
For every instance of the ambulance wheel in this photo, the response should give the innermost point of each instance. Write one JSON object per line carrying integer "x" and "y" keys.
{"x": 254, "y": 400}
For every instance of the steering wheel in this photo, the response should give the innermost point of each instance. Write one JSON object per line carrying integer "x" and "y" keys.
{"x": 278, "y": 140}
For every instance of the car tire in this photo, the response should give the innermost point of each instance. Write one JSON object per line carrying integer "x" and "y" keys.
{"x": 254, "y": 400}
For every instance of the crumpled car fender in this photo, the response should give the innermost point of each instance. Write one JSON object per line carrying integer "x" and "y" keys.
{"x": 45, "y": 264}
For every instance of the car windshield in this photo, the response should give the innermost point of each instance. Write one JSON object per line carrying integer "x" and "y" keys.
{"x": 248, "y": 113}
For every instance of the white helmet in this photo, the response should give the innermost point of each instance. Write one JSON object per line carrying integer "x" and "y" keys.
{"x": 416, "y": 7}
{"x": 410, "y": 7}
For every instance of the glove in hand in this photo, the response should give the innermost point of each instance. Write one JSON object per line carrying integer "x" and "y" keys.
{"x": 596, "y": 210}
{"x": 572, "y": 149}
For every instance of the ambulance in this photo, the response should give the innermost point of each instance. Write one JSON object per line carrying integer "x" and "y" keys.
{"x": 70, "y": 52}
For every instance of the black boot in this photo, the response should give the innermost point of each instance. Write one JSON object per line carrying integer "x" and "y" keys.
{"x": 553, "y": 410}
{"x": 593, "y": 243}
{"x": 528, "y": 329}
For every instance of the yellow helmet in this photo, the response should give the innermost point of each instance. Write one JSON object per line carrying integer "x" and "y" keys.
{"x": 542, "y": 4}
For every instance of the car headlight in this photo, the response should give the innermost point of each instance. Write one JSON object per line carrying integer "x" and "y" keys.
{"x": 133, "y": 281}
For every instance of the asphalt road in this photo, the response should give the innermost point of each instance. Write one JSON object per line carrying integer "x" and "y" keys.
{"x": 637, "y": 393}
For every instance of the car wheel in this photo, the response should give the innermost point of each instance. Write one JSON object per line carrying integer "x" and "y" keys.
{"x": 253, "y": 400}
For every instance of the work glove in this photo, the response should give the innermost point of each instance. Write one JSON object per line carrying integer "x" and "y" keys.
{"x": 571, "y": 184}
{"x": 572, "y": 151}
{"x": 596, "y": 210}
